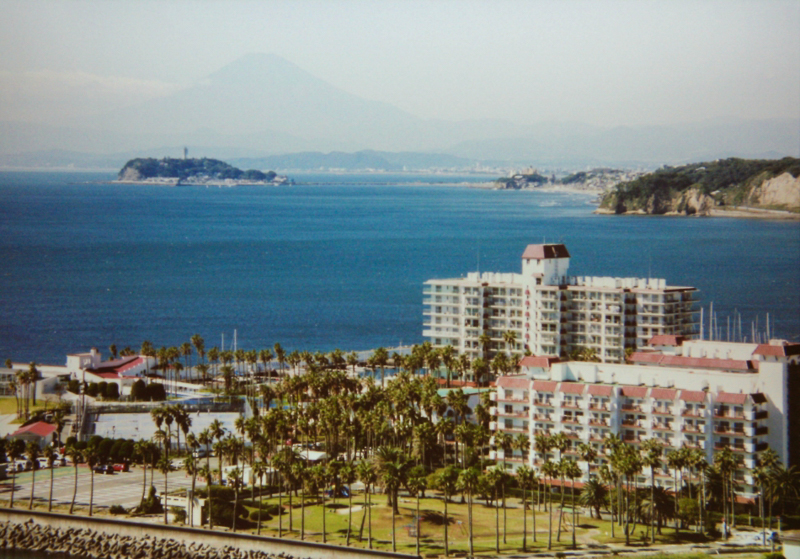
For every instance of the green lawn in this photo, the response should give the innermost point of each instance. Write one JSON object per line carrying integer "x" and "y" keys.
{"x": 8, "y": 404}
{"x": 432, "y": 528}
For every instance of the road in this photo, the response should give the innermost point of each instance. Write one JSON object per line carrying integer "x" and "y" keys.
{"x": 121, "y": 488}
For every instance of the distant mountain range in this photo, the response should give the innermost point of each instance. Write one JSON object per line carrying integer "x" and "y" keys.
{"x": 260, "y": 107}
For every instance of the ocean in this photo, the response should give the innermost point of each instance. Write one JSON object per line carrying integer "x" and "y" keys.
{"x": 336, "y": 261}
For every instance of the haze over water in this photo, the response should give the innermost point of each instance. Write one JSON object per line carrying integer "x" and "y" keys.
{"x": 336, "y": 265}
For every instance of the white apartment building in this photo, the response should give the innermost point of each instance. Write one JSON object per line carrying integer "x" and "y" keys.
{"x": 687, "y": 393}
{"x": 553, "y": 313}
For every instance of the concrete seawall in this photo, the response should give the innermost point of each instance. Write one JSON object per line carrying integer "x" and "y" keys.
{"x": 79, "y": 528}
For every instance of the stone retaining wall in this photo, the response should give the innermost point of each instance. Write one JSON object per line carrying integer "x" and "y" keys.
{"x": 101, "y": 537}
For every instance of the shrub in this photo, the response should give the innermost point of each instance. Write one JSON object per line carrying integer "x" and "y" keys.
{"x": 91, "y": 389}
{"x": 112, "y": 391}
{"x": 179, "y": 514}
{"x": 117, "y": 509}
{"x": 774, "y": 556}
{"x": 156, "y": 392}
{"x": 74, "y": 386}
{"x": 152, "y": 504}
{"x": 139, "y": 391}
{"x": 264, "y": 516}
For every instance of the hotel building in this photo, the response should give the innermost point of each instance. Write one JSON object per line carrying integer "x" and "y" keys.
{"x": 686, "y": 393}
{"x": 552, "y": 313}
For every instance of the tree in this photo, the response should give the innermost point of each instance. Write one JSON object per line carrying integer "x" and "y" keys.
{"x": 571, "y": 470}
{"x": 348, "y": 475}
{"x": 50, "y": 456}
{"x": 368, "y": 476}
{"x": 32, "y": 453}
{"x": 417, "y": 484}
{"x": 527, "y": 480}
{"x": 550, "y": 471}
{"x": 14, "y": 451}
{"x": 652, "y": 458}
{"x": 469, "y": 481}
{"x": 75, "y": 455}
{"x": 495, "y": 477}
{"x": 594, "y": 496}
{"x": 447, "y": 481}
{"x": 393, "y": 466}
{"x": 164, "y": 466}
{"x": 191, "y": 467}
{"x": 91, "y": 455}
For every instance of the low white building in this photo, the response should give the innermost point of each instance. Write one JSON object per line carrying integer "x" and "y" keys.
{"x": 686, "y": 393}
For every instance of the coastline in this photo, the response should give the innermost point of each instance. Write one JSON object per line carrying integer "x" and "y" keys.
{"x": 738, "y": 212}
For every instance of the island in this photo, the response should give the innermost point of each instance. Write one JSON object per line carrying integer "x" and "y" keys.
{"x": 734, "y": 187}
{"x": 195, "y": 171}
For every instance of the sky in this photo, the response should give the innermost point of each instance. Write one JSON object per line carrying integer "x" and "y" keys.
{"x": 599, "y": 62}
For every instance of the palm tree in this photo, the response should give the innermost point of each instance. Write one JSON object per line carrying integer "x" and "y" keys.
{"x": 652, "y": 458}
{"x": 381, "y": 358}
{"x": 368, "y": 476}
{"x": 32, "y": 453}
{"x": 495, "y": 478}
{"x": 593, "y": 496}
{"x": 549, "y": 470}
{"x": 509, "y": 337}
{"x": 675, "y": 461}
{"x": 527, "y": 480}
{"x": 417, "y": 485}
{"x": 259, "y": 469}
{"x": 447, "y": 482}
{"x": 469, "y": 481}
{"x": 91, "y": 455}
{"x": 15, "y": 450}
{"x": 348, "y": 475}
{"x": 561, "y": 443}
{"x": 75, "y": 455}
{"x": 50, "y": 456}
{"x": 393, "y": 466}
{"x": 571, "y": 470}
{"x": 190, "y": 465}
{"x": 164, "y": 466}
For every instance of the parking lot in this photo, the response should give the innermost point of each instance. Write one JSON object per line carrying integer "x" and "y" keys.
{"x": 119, "y": 488}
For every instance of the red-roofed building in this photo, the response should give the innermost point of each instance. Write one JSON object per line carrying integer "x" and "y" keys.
{"x": 39, "y": 432}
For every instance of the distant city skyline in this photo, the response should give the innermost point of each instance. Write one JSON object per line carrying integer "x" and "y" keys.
{"x": 604, "y": 63}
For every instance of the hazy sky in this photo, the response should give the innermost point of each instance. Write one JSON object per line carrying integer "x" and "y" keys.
{"x": 600, "y": 62}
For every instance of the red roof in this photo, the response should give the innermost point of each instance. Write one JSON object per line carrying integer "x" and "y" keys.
{"x": 542, "y": 361}
{"x": 544, "y": 385}
{"x": 600, "y": 390}
{"x": 634, "y": 391}
{"x": 39, "y": 428}
{"x": 663, "y": 393}
{"x": 693, "y": 396}
{"x": 539, "y": 252}
{"x": 520, "y": 383}
{"x": 695, "y": 362}
{"x": 731, "y": 398}
{"x": 666, "y": 339}
{"x": 106, "y": 375}
{"x": 572, "y": 387}
{"x": 783, "y": 350}
{"x": 117, "y": 366}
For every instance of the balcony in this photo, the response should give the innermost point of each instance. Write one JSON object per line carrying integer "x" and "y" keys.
{"x": 542, "y": 417}
{"x": 631, "y": 407}
{"x": 662, "y": 426}
{"x": 518, "y": 414}
{"x": 693, "y": 413}
{"x": 599, "y": 422}
{"x": 571, "y": 405}
{"x": 570, "y": 420}
{"x": 544, "y": 404}
{"x": 662, "y": 411}
{"x": 691, "y": 429}
{"x": 596, "y": 406}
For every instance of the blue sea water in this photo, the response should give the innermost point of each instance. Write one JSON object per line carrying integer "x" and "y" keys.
{"x": 337, "y": 263}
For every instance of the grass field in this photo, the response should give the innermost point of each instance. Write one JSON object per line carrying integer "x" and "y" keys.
{"x": 589, "y": 531}
{"x": 8, "y": 404}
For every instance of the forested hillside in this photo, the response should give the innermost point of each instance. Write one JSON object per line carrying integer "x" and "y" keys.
{"x": 148, "y": 168}
{"x": 700, "y": 187}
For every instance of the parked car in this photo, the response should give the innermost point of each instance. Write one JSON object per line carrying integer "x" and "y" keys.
{"x": 106, "y": 469}
{"x": 123, "y": 467}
